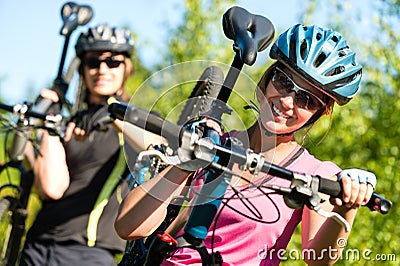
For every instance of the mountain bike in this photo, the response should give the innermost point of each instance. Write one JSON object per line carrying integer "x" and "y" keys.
{"x": 13, "y": 207}
{"x": 202, "y": 146}
{"x": 199, "y": 103}
{"x": 15, "y": 191}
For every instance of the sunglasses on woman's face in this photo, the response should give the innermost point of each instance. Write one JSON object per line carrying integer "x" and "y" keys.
{"x": 94, "y": 62}
{"x": 303, "y": 98}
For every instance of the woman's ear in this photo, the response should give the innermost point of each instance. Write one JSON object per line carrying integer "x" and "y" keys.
{"x": 128, "y": 67}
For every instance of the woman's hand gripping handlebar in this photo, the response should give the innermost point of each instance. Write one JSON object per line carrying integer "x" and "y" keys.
{"x": 182, "y": 142}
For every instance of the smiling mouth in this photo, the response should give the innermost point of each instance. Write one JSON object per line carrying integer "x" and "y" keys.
{"x": 101, "y": 82}
{"x": 279, "y": 113}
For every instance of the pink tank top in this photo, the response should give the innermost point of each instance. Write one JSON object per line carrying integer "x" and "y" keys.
{"x": 252, "y": 234}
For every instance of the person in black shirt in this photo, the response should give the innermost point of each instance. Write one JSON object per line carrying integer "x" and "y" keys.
{"x": 78, "y": 178}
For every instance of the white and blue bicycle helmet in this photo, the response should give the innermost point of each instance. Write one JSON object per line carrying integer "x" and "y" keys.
{"x": 321, "y": 57}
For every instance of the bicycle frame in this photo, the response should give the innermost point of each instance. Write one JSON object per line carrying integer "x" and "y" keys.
{"x": 19, "y": 213}
{"x": 251, "y": 34}
{"x": 18, "y": 205}
{"x": 72, "y": 15}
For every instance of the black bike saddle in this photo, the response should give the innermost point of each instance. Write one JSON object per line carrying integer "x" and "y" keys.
{"x": 250, "y": 33}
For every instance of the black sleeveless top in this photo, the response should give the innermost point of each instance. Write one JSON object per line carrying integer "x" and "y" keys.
{"x": 90, "y": 163}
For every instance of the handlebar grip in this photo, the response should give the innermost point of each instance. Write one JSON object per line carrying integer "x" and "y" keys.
{"x": 7, "y": 107}
{"x": 376, "y": 203}
{"x": 42, "y": 105}
{"x": 330, "y": 187}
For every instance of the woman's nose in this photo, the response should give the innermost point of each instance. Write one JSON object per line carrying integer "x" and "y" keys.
{"x": 288, "y": 100}
{"x": 103, "y": 67}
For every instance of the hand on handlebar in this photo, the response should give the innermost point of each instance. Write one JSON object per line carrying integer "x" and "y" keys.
{"x": 204, "y": 124}
{"x": 191, "y": 157}
{"x": 214, "y": 125}
{"x": 53, "y": 96}
{"x": 358, "y": 186}
{"x": 78, "y": 126}
{"x": 73, "y": 130}
{"x": 50, "y": 94}
{"x": 52, "y": 128}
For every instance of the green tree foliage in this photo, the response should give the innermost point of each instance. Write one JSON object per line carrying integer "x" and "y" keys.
{"x": 365, "y": 132}
{"x": 200, "y": 35}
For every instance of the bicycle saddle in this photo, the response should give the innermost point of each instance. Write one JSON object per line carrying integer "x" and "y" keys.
{"x": 250, "y": 33}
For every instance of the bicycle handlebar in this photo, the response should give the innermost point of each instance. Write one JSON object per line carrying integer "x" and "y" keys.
{"x": 23, "y": 109}
{"x": 325, "y": 186}
{"x": 146, "y": 120}
{"x": 170, "y": 131}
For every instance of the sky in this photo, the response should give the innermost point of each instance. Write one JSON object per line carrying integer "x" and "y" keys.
{"x": 31, "y": 46}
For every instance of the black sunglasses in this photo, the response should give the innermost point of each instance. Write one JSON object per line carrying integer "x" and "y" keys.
{"x": 304, "y": 98}
{"x": 94, "y": 62}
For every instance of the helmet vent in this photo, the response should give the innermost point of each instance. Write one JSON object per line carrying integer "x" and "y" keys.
{"x": 318, "y": 36}
{"x": 303, "y": 49}
{"x": 335, "y": 71}
{"x": 320, "y": 59}
{"x": 335, "y": 38}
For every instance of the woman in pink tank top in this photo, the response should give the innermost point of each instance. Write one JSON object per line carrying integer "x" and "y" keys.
{"x": 314, "y": 68}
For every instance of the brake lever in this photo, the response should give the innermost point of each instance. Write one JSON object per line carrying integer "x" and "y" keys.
{"x": 304, "y": 191}
{"x": 337, "y": 217}
{"x": 168, "y": 159}
{"x": 298, "y": 195}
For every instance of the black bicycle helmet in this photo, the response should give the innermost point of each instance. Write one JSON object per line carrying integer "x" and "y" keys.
{"x": 104, "y": 38}
{"x": 321, "y": 57}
